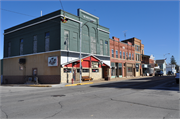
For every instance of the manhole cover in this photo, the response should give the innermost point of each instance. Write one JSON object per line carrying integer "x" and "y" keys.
{"x": 58, "y": 95}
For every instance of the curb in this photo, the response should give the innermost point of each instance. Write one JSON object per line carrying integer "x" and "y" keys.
{"x": 40, "y": 85}
{"x": 78, "y": 84}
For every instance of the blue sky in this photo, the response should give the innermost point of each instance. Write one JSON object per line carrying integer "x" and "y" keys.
{"x": 155, "y": 23}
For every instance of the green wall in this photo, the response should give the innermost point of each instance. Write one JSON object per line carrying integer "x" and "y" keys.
{"x": 56, "y": 29}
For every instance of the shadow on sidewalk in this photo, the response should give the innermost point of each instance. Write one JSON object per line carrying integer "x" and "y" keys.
{"x": 154, "y": 83}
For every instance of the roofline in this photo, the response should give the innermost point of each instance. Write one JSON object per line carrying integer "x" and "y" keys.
{"x": 83, "y": 58}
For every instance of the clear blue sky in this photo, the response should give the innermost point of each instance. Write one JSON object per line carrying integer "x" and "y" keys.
{"x": 155, "y": 23}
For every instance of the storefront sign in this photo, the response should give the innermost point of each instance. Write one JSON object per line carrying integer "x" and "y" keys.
{"x": 52, "y": 61}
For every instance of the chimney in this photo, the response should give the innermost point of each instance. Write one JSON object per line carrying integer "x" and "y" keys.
{"x": 116, "y": 39}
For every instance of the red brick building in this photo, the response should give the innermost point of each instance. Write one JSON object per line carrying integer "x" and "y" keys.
{"x": 122, "y": 58}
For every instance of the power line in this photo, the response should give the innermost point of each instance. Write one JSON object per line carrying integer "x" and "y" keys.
{"x": 26, "y": 14}
{"x": 17, "y": 12}
{"x": 62, "y": 6}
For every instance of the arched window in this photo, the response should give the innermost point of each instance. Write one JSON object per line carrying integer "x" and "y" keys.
{"x": 93, "y": 41}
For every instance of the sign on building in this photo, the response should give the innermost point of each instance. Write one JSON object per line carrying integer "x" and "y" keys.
{"x": 53, "y": 61}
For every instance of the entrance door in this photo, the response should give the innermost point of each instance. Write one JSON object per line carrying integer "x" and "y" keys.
{"x": 104, "y": 72}
{"x": 124, "y": 71}
{"x": 117, "y": 70}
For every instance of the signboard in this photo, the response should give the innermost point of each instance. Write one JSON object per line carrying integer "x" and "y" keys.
{"x": 53, "y": 61}
{"x": 94, "y": 64}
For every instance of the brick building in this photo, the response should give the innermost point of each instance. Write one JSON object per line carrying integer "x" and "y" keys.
{"x": 139, "y": 51}
{"x": 122, "y": 57}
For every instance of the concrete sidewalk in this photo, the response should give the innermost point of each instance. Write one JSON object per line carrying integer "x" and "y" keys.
{"x": 76, "y": 83}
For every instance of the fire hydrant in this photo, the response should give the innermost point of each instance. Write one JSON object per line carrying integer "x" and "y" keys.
{"x": 72, "y": 80}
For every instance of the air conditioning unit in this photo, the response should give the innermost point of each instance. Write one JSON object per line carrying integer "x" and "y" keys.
{"x": 22, "y": 61}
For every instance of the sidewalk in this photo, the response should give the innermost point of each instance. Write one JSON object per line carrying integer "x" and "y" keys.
{"x": 75, "y": 83}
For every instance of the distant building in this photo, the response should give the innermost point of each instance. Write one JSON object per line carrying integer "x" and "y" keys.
{"x": 170, "y": 67}
{"x": 148, "y": 64}
{"x": 162, "y": 65}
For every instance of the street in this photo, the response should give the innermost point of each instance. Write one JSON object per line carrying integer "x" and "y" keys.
{"x": 152, "y": 97}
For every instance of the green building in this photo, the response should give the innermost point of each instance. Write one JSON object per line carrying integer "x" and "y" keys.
{"x": 41, "y": 46}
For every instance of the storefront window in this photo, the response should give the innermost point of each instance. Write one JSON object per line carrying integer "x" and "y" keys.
{"x": 83, "y": 70}
{"x": 67, "y": 70}
{"x": 95, "y": 70}
{"x": 113, "y": 71}
{"x": 129, "y": 69}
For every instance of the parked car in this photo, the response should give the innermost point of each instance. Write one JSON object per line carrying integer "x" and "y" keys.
{"x": 159, "y": 73}
{"x": 170, "y": 73}
{"x": 177, "y": 77}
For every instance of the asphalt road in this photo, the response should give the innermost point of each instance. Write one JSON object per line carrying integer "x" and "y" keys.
{"x": 155, "y": 97}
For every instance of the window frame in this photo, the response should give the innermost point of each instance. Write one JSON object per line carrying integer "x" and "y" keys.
{"x": 47, "y": 37}
{"x": 112, "y": 52}
{"x": 21, "y": 45}
{"x": 116, "y": 53}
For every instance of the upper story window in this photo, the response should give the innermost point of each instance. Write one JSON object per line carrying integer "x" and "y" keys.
{"x": 112, "y": 53}
{"x": 123, "y": 55}
{"x": 116, "y": 54}
{"x": 137, "y": 57}
{"x": 47, "y": 37}
{"x": 66, "y": 40}
{"x": 9, "y": 49}
{"x": 35, "y": 44}
{"x": 120, "y": 54}
{"x": 106, "y": 48}
{"x": 126, "y": 55}
{"x": 21, "y": 46}
{"x": 130, "y": 56}
{"x": 101, "y": 47}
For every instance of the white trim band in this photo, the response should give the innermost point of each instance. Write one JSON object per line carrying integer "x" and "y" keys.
{"x": 89, "y": 14}
{"x": 103, "y": 30}
{"x": 31, "y": 54}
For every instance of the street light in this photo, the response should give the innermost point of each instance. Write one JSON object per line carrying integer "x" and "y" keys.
{"x": 166, "y": 58}
{"x": 81, "y": 25}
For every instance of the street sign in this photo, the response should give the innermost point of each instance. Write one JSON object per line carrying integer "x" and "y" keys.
{"x": 81, "y": 60}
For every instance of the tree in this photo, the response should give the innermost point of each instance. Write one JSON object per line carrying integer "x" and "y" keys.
{"x": 173, "y": 61}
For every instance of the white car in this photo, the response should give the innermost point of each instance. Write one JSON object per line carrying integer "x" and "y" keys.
{"x": 177, "y": 78}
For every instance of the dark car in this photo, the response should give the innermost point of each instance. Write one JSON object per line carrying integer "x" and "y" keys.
{"x": 177, "y": 77}
{"x": 159, "y": 73}
{"x": 170, "y": 73}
